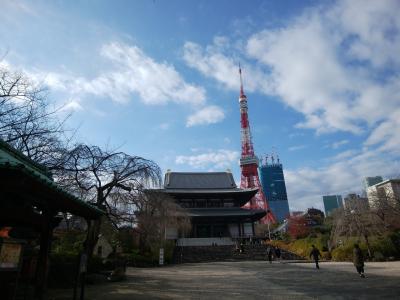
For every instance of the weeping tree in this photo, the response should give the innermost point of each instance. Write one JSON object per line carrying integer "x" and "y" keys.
{"x": 157, "y": 213}
{"x": 26, "y": 120}
{"x": 109, "y": 180}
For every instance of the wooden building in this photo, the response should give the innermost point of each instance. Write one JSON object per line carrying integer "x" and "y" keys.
{"x": 30, "y": 207}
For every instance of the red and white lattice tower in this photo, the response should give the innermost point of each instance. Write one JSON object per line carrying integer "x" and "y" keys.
{"x": 249, "y": 162}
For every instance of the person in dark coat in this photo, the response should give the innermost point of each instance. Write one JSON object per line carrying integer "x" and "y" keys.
{"x": 277, "y": 253}
{"x": 358, "y": 260}
{"x": 269, "y": 254}
{"x": 315, "y": 254}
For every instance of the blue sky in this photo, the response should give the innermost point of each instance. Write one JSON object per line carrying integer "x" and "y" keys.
{"x": 159, "y": 79}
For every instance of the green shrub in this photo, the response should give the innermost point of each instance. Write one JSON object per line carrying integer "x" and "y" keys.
{"x": 395, "y": 238}
{"x": 345, "y": 252}
{"x": 383, "y": 247}
{"x": 64, "y": 266}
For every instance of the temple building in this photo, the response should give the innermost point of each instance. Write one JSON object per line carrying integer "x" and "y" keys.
{"x": 213, "y": 202}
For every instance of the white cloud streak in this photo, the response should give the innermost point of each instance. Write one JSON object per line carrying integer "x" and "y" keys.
{"x": 306, "y": 186}
{"x": 207, "y": 115}
{"x": 212, "y": 62}
{"x": 296, "y": 148}
{"x": 131, "y": 72}
{"x": 338, "y": 144}
{"x": 218, "y": 159}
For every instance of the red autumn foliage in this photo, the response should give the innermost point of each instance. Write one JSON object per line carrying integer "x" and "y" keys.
{"x": 297, "y": 227}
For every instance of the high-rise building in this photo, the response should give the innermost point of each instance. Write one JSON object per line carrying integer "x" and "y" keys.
{"x": 274, "y": 187}
{"x": 370, "y": 181}
{"x": 384, "y": 193}
{"x": 332, "y": 202}
{"x": 249, "y": 162}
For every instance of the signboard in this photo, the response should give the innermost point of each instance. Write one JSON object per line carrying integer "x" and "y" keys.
{"x": 10, "y": 255}
{"x": 161, "y": 260}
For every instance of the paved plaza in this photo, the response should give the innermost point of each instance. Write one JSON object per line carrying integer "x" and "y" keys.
{"x": 252, "y": 280}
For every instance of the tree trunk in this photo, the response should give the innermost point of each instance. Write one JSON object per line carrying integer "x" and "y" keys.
{"x": 92, "y": 236}
{"x": 368, "y": 246}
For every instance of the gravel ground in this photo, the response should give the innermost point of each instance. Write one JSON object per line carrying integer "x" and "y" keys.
{"x": 250, "y": 280}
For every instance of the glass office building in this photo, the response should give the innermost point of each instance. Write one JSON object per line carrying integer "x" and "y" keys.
{"x": 274, "y": 187}
{"x": 332, "y": 202}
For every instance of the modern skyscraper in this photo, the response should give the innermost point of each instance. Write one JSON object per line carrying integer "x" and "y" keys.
{"x": 249, "y": 162}
{"x": 332, "y": 202}
{"x": 370, "y": 181}
{"x": 273, "y": 183}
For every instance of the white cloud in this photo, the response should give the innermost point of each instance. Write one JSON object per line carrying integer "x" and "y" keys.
{"x": 207, "y": 115}
{"x": 72, "y": 105}
{"x": 338, "y": 144}
{"x": 387, "y": 134}
{"x": 306, "y": 186}
{"x": 296, "y": 148}
{"x": 374, "y": 24}
{"x": 345, "y": 154}
{"x": 214, "y": 63}
{"x": 130, "y": 72}
{"x": 323, "y": 64}
{"x": 216, "y": 159}
{"x": 134, "y": 71}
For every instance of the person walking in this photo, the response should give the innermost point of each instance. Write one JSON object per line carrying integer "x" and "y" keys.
{"x": 269, "y": 254}
{"x": 277, "y": 253}
{"x": 358, "y": 260}
{"x": 315, "y": 254}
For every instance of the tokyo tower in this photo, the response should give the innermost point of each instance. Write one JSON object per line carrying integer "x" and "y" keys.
{"x": 249, "y": 162}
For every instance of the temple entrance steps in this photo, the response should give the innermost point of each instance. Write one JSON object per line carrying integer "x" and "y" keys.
{"x": 216, "y": 241}
{"x": 194, "y": 254}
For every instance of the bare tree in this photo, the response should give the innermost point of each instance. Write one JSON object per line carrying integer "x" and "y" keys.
{"x": 385, "y": 204}
{"x": 109, "y": 180}
{"x": 355, "y": 220}
{"x": 157, "y": 213}
{"x": 26, "y": 122}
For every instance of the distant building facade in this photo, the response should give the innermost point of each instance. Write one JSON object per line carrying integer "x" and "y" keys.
{"x": 388, "y": 190}
{"x": 370, "y": 181}
{"x": 274, "y": 187}
{"x": 332, "y": 202}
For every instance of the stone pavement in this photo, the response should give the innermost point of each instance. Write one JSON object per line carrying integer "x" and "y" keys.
{"x": 251, "y": 280}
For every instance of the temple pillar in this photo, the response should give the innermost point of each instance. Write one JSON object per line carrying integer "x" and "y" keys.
{"x": 46, "y": 234}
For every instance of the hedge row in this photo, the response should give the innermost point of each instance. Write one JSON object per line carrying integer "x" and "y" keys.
{"x": 382, "y": 247}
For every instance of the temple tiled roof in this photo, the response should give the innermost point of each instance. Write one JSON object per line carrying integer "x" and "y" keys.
{"x": 199, "y": 180}
{"x": 211, "y": 191}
